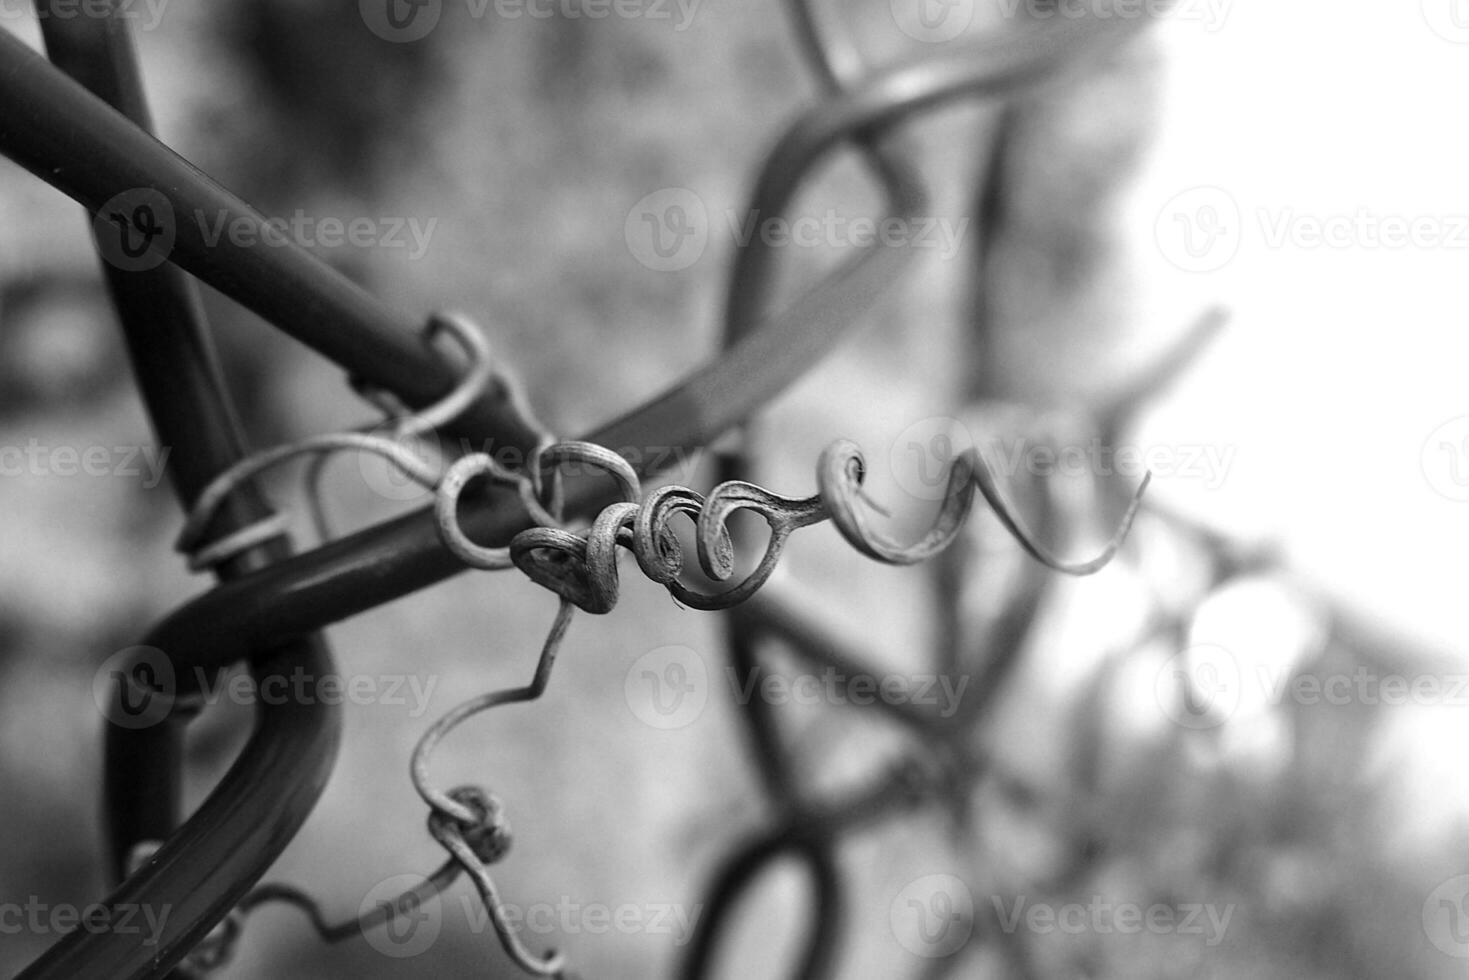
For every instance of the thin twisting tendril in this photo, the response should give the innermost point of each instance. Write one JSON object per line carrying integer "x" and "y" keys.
{"x": 481, "y": 372}
{"x": 581, "y": 567}
{"x": 454, "y": 822}
{"x": 467, "y": 821}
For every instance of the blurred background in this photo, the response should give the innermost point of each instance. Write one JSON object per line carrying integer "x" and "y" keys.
{"x": 1249, "y": 726}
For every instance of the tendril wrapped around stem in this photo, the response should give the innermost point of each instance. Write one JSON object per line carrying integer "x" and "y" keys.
{"x": 581, "y": 567}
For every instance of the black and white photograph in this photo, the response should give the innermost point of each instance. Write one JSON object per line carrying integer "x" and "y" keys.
{"x": 734, "y": 490}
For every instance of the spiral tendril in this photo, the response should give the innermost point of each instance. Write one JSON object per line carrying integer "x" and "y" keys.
{"x": 581, "y": 567}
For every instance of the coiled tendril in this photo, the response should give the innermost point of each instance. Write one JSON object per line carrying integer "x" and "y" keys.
{"x": 581, "y": 567}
